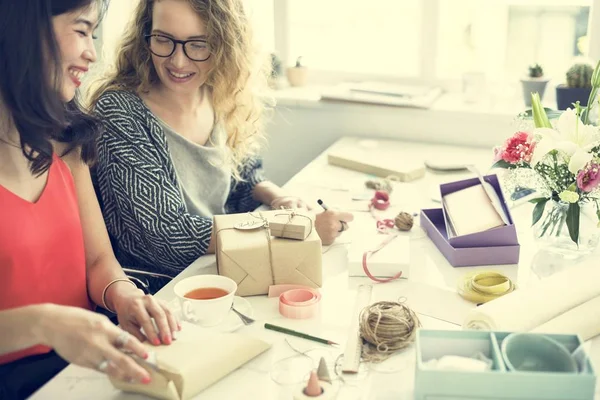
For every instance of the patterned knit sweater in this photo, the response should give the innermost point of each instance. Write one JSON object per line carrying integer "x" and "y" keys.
{"x": 137, "y": 186}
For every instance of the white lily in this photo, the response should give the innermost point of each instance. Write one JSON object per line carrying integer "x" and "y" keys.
{"x": 571, "y": 137}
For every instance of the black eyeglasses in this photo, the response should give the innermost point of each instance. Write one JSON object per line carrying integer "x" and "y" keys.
{"x": 164, "y": 46}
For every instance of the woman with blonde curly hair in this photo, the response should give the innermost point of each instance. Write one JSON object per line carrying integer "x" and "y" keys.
{"x": 183, "y": 124}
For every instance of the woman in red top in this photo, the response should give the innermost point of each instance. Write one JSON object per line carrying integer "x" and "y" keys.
{"x": 56, "y": 260}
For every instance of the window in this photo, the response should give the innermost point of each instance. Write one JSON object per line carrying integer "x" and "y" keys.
{"x": 502, "y": 37}
{"x": 379, "y": 36}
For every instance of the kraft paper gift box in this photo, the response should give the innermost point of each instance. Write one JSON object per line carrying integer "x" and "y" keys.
{"x": 291, "y": 224}
{"x": 192, "y": 363}
{"x": 255, "y": 260}
{"x": 495, "y": 246}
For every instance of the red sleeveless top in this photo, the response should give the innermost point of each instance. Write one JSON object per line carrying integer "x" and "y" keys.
{"x": 42, "y": 257}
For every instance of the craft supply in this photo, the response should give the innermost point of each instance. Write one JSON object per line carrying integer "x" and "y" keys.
{"x": 315, "y": 389}
{"x": 353, "y": 350}
{"x": 381, "y": 200}
{"x": 247, "y": 253}
{"x": 323, "y": 371}
{"x": 390, "y": 260}
{"x": 291, "y": 224}
{"x": 174, "y": 374}
{"x": 296, "y": 301}
{"x": 404, "y": 221}
{"x": 382, "y": 163}
{"x": 298, "y": 334}
{"x": 583, "y": 319}
{"x": 387, "y": 327}
{"x": 483, "y": 286}
{"x": 385, "y": 184}
{"x": 344, "y": 225}
{"x": 369, "y": 253}
{"x": 530, "y": 307}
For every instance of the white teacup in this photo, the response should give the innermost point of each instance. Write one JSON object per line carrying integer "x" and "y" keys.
{"x": 205, "y": 312}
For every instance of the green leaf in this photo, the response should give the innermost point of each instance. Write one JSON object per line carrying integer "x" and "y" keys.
{"x": 573, "y": 222}
{"x": 538, "y": 210}
{"x": 540, "y": 118}
{"x": 538, "y": 199}
{"x": 502, "y": 164}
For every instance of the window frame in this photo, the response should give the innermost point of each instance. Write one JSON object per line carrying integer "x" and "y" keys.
{"x": 429, "y": 40}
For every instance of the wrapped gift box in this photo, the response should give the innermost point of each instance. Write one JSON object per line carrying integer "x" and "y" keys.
{"x": 248, "y": 254}
{"x": 291, "y": 224}
{"x": 387, "y": 262}
{"x": 498, "y": 383}
{"x": 175, "y": 373}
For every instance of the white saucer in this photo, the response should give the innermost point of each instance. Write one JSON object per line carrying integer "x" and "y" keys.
{"x": 230, "y": 323}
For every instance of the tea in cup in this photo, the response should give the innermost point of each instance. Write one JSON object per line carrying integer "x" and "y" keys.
{"x": 205, "y": 299}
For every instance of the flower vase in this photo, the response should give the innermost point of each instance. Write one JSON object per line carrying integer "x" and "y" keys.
{"x": 551, "y": 232}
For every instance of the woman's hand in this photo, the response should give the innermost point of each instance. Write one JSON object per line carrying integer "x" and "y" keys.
{"x": 137, "y": 311}
{"x": 90, "y": 340}
{"x": 330, "y": 224}
{"x": 289, "y": 202}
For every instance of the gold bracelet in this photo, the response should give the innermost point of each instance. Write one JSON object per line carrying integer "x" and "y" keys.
{"x": 106, "y": 289}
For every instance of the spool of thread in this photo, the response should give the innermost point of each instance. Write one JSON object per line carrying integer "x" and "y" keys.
{"x": 387, "y": 327}
{"x": 313, "y": 388}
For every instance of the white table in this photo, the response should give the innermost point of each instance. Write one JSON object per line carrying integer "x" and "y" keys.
{"x": 430, "y": 290}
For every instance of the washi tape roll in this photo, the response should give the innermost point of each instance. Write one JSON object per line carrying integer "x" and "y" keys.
{"x": 295, "y": 301}
{"x": 483, "y": 286}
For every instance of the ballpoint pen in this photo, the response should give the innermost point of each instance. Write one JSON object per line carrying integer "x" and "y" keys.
{"x": 327, "y": 208}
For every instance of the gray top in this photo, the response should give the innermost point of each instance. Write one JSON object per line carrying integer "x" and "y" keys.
{"x": 203, "y": 173}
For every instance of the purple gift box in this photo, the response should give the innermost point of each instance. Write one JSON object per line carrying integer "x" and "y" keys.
{"x": 492, "y": 247}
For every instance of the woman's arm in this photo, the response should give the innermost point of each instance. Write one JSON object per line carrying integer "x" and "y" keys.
{"x": 142, "y": 205}
{"x": 19, "y": 328}
{"x": 131, "y": 305}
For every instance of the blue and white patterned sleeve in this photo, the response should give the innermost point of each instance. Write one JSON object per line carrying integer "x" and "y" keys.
{"x": 240, "y": 198}
{"x": 142, "y": 205}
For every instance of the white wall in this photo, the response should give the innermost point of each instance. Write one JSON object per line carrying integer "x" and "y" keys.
{"x": 298, "y": 133}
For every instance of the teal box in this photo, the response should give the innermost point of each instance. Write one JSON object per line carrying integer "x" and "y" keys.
{"x": 498, "y": 383}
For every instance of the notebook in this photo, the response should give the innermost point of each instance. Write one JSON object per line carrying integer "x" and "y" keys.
{"x": 469, "y": 211}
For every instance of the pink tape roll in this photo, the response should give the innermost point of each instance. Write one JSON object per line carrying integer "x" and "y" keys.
{"x": 296, "y": 302}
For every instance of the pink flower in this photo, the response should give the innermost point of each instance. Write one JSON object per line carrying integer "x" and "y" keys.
{"x": 518, "y": 148}
{"x": 588, "y": 178}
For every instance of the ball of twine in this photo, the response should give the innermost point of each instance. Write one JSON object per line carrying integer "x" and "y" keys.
{"x": 404, "y": 221}
{"x": 386, "y": 327}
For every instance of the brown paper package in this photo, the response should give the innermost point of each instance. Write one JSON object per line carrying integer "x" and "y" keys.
{"x": 193, "y": 362}
{"x": 243, "y": 255}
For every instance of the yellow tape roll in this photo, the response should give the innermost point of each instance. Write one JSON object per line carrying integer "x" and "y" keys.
{"x": 483, "y": 286}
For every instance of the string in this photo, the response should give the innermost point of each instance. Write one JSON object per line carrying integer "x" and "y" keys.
{"x": 10, "y": 144}
{"x": 385, "y": 184}
{"x": 265, "y": 227}
{"x": 290, "y": 217}
{"x": 386, "y": 327}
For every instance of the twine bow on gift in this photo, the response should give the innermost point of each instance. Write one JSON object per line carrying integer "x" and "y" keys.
{"x": 291, "y": 216}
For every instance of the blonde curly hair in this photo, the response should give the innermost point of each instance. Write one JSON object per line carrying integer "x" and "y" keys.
{"x": 236, "y": 78}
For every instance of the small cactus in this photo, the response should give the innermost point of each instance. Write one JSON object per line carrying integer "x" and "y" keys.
{"x": 580, "y": 76}
{"x": 299, "y": 62}
{"x": 536, "y": 71}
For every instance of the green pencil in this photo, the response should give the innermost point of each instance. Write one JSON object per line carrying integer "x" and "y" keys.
{"x": 299, "y": 334}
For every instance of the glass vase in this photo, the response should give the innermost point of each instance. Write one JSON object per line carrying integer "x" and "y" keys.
{"x": 552, "y": 233}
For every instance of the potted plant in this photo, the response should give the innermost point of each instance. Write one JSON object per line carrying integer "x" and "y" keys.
{"x": 578, "y": 87}
{"x": 534, "y": 82}
{"x": 297, "y": 74}
{"x": 275, "y": 74}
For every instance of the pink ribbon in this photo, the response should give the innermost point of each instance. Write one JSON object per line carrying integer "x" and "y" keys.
{"x": 296, "y": 301}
